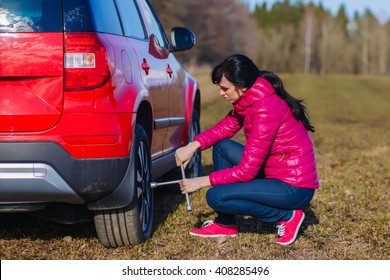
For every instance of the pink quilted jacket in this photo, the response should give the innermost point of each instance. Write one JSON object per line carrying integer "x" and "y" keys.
{"x": 275, "y": 140}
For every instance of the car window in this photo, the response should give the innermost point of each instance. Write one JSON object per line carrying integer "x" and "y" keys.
{"x": 154, "y": 24}
{"x": 91, "y": 16}
{"x": 30, "y": 16}
{"x": 77, "y": 16}
{"x": 131, "y": 21}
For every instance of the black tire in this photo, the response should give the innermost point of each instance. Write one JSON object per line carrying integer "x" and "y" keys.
{"x": 194, "y": 167}
{"x": 132, "y": 224}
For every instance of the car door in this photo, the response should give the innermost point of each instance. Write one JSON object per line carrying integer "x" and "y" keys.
{"x": 159, "y": 51}
{"x": 173, "y": 91}
{"x": 144, "y": 37}
{"x": 174, "y": 138}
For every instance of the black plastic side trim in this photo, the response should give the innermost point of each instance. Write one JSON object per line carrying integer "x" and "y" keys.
{"x": 163, "y": 164}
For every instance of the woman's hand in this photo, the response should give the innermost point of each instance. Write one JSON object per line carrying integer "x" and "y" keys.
{"x": 194, "y": 184}
{"x": 184, "y": 154}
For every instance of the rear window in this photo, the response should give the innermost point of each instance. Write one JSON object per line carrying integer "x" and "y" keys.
{"x": 91, "y": 16}
{"x": 30, "y": 16}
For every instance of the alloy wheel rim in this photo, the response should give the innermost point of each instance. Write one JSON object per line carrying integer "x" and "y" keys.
{"x": 143, "y": 187}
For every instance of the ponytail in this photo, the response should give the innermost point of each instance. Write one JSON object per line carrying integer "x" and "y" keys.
{"x": 299, "y": 111}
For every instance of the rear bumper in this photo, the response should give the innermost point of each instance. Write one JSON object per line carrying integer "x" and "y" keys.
{"x": 44, "y": 172}
{"x": 35, "y": 183}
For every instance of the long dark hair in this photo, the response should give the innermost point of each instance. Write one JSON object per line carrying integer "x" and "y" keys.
{"x": 242, "y": 72}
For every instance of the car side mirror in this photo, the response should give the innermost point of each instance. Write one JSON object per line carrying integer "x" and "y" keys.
{"x": 182, "y": 39}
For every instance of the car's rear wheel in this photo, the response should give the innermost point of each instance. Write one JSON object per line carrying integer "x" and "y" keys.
{"x": 132, "y": 224}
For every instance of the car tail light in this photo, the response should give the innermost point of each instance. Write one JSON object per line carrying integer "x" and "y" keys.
{"x": 88, "y": 61}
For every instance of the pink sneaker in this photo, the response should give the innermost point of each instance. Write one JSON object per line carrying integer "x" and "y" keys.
{"x": 212, "y": 229}
{"x": 288, "y": 231}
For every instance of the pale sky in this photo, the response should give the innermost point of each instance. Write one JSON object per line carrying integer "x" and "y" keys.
{"x": 380, "y": 8}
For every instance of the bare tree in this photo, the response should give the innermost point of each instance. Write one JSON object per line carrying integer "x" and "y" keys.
{"x": 309, "y": 31}
{"x": 324, "y": 48}
{"x": 335, "y": 51}
{"x": 365, "y": 44}
{"x": 383, "y": 45}
{"x": 222, "y": 27}
{"x": 386, "y": 55}
{"x": 277, "y": 51}
{"x": 372, "y": 44}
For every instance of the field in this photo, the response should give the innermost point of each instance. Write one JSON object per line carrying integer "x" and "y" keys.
{"x": 348, "y": 219}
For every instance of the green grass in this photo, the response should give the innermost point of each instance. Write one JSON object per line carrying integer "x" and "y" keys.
{"x": 348, "y": 217}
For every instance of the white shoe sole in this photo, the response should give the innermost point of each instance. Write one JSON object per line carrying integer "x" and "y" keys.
{"x": 295, "y": 234}
{"x": 213, "y": 236}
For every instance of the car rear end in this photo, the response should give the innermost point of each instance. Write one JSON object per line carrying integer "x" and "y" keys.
{"x": 56, "y": 144}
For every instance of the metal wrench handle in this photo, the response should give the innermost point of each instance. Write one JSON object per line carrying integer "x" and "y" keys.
{"x": 157, "y": 184}
{"x": 183, "y": 174}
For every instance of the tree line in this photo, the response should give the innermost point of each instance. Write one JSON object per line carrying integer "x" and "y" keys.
{"x": 283, "y": 37}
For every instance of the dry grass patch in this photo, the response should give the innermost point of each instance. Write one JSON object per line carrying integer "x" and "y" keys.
{"x": 348, "y": 218}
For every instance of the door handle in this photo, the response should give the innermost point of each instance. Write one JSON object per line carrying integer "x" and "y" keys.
{"x": 145, "y": 66}
{"x": 169, "y": 71}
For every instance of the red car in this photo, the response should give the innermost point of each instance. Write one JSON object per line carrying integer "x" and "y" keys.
{"x": 93, "y": 105}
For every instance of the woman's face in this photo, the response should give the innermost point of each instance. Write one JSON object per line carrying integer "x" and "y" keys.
{"x": 229, "y": 91}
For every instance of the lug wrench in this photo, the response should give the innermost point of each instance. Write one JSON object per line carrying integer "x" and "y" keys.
{"x": 157, "y": 184}
{"x": 183, "y": 174}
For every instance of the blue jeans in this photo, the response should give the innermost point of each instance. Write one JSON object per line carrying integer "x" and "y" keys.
{"x": 268, "y": 200}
